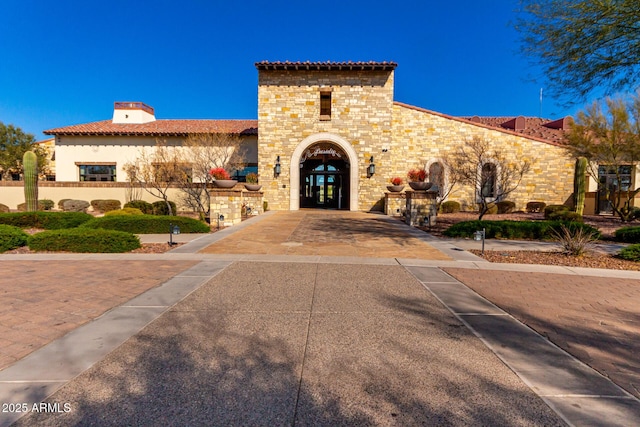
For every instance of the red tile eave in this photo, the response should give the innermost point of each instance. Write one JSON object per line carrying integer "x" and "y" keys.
{"x": 160, "y": 128}
{"x": 469, "y": 122}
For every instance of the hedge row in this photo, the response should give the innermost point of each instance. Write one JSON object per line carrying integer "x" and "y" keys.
{"x": 84, "y": 240}
{"x": 45, "y": 220}
{"x": 515, "y": 229}
{"x": 147, "y": 224}
{"x": 628, "y": 234}
{"x": 11, "y": 237}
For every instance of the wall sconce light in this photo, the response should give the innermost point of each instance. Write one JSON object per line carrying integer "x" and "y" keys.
{"x": 372, "y": 168}
{"x": 277, "y": 169}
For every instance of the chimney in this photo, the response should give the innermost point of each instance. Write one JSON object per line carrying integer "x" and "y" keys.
{"x": 517, "y": 123}
{"x": 132, "y": 113}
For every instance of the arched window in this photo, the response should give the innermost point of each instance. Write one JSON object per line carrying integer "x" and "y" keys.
{"x": 488, "y": 178}
{"x": 436, "y": 175}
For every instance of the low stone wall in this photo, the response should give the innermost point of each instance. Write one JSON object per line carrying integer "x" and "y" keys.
{"x": 227, "y": 204}
{"x": 421, "y": 208}
{"x": 394, "y": 203}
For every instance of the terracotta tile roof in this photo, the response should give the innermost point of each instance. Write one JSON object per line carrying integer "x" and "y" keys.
{"x": 307, "y": 65}
{"x": 160, "y": 128}
{"x": 543, "y": 130}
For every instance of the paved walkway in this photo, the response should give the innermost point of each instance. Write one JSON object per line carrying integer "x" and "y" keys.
{"x": 274, "y": 338}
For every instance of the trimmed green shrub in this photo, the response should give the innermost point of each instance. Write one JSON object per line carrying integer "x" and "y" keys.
{"x": 450, "y": 206}
{"x": 628, "y": 234}
{"x": 566, "y": 216}
{"x": 635, "y": 212}
{"x": 105, "y": 205}
{"x": 11, "y": 237}
{"x": 160, "y": 208}
{"x": 505, "y": 207}
{"x": 45, "y": 205}
{"x": 535, "y": 230}
{"x": 631, "y": 252}
{"x": 552, "y": 209}
{"x": 124, "y": 211}
{"x": 536, "y": 207}
{"x": 4, "y": 208}
{"x": 46, "y": 220}
{"x": 145, "y": 207}
{"x": 84, "y": 240}
{"x": 75, "y": 205}
{"x": 147, "y": 224}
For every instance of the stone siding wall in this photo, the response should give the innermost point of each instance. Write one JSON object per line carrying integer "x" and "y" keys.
{"x": 420, "y": 137}
{"x": 289, "y": 112}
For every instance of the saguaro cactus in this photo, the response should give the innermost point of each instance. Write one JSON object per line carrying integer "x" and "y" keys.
{"x": 30, "y": 165}
{"x": 580, "y": 184}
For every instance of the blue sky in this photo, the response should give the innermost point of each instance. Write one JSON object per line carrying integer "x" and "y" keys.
{"x": 65, "y": 62}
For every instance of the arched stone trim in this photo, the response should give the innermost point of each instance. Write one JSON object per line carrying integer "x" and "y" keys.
{"x": 294, "y": 183}
{"x": 445, "y": 173}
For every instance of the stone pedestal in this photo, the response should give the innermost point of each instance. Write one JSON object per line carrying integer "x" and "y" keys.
{"x": 229, "y": 202}
{"x": 421, "y": 208}
{"x": 394, "y": 203}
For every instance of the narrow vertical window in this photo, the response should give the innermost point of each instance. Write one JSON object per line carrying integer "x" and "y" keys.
{"x": 489, "y": 177}
{"x": 436, "y": 175}
{"x": 325, "y": 105}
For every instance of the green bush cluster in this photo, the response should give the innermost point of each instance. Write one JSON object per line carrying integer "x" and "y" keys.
{"x": 516, "y": 229}
{"x": 11, "y": 237}
{"x": 450, "y": 206}
{"x": 46, "y": 220}
{"x": 160, "y": 208}
{"x": 505, "y": 207}
{"x": 84, "y": 240}
{"x": 145, "y": 207}
{"x": 45, "y": 205}
{"x": 124, "y": 211}
{"x": 628, "y": 234}
{"x": 561, "y": 213}
{"x": 535, "y": 207}
{"x": 105, "y": 205}
{"x": 147, "y": 224}
{"x": 631, "y": 252}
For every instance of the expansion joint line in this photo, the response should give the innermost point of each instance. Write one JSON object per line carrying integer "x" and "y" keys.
{"x": 306, "y": 346}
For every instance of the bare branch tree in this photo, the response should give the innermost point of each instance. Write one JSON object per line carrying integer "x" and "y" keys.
{"x": 204, "y": 152}
{"x": 158, "y": 170}
{"x": 487, "y": 170}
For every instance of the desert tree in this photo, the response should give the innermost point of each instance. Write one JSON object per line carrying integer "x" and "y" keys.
{"x": 492, "y": 176}
{"x": 13, "y": 144}
{"x": 159, "y": 169}
{"x": 205, "y": 151}
{"x": 607, "y": 133}
{"x": 582, "y": 45}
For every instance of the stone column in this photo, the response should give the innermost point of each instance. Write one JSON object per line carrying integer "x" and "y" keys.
{"x": 421, "y": 208}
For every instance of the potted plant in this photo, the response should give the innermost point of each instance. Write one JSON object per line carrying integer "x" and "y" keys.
{"x": 252, "y": 182}
{"x": 396, "y": 185}
{"x": 417, "y": 179}
{"x": 221, "y": 178}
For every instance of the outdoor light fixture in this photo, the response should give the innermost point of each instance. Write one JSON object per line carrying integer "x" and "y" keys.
{"x": 173, "y": 229}
{"x": 277, "y": 169}
{"x": 220, "y": 219}
{"x": 372, "y": 167}
{"x": 479, "y": 235}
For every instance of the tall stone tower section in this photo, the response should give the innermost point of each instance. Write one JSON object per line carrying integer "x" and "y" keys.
{"x": 340, "y": 109}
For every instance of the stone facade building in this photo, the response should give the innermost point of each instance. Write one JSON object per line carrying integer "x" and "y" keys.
{"x": 345, "y": 113}
{"x": 328, "y": 135}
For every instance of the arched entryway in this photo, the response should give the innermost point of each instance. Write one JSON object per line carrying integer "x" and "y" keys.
{"x": 324, "y": 174}
{"x": 324, "y": 177}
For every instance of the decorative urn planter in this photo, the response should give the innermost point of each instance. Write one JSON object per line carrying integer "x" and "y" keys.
{"x": 225, "y": 183}
{"x": 420, "y": 185}
{"x": 395, "y": 188}
{"x": 253, "y": 187}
